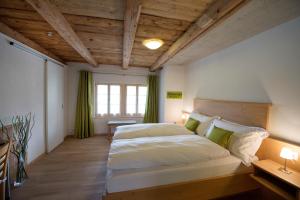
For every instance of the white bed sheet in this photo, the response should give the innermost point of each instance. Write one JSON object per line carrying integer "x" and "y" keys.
{"x": 150, "y": 130}
{"x": 149, "y": 152}
{"x": 124, "y": 180}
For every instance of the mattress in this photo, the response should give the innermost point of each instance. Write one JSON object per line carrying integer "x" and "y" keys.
{"x": 131, "y": 179}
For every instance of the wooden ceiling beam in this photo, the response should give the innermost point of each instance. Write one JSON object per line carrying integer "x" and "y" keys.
{"x": 21, "y": 38}
{"x": 217, "y": 12}
{"x": 56, "y": 19}
{"x": 131, "y": 19}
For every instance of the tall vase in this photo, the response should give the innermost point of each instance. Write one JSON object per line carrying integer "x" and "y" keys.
{"x": 21, "y": 173}
{"x": 21, "y": 134}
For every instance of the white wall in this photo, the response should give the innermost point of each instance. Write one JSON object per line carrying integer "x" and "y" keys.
{"x": 171, "y": 79}
{"x": 73, "y": 77}
{"x": 55, "y": 105}
{"x": 264, "y": 68}
{"x": 66, "y": 99}
{"x": 22, "y": 91}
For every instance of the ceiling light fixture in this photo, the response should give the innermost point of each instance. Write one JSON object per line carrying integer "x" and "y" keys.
{"x": 153, "y": 43}
{"x": 49, "y": 34}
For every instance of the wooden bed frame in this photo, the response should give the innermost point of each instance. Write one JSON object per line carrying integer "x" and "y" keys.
{"x": 252, "y": 114}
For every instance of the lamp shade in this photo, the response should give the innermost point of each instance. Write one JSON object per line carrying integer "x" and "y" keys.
{"x": 184, "y": 116}
{"x": 288, "y": 154}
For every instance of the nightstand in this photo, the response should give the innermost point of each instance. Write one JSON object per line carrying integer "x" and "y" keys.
{"x": 276, "y": 182}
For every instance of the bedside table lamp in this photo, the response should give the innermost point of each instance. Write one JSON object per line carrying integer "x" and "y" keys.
{"x": 287, "y": 154}
{"x": 184, "y": 116}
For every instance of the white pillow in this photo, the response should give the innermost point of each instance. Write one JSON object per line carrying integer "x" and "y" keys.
{"x": 205, "y": 122}
{"x": 200, "y": 117}
{"x": 244, "y": 142}
{"x": 237, "y": 128}
{"x": 245, "y": 146}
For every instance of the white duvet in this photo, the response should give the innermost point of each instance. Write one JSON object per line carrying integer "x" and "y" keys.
{"x": 150, "y": 130}
{"x": 162, "y": 151}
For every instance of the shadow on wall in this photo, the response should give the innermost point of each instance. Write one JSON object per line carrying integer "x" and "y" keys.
{"x": 284, "y": 116}
{"x": 264, "y": 68}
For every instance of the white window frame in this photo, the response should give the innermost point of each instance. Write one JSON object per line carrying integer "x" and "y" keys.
{"x": 123, "y": 101}
{"x": 137, "y": 100}
{"x": 108, "y": 100}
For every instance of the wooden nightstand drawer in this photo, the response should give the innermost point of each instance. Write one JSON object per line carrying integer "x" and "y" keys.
{"x": 267, "y": 174}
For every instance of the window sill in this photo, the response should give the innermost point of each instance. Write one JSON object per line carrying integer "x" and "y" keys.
{"x": 119, "y": 117}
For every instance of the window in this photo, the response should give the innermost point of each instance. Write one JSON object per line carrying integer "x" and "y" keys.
{"x": 115, "y": 99}
{"x": 142, "y": 98}
{"x": 124, "y": 100}
{"x": 135, "y": 99}
{"x": 130, "y": 100}
{"x": 108, "y": 99}
{"x": 102, "y": 99}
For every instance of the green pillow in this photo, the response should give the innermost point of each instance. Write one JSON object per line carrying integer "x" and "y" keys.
{"x": 220, "y": 136}
{"x": 191, "y": 124}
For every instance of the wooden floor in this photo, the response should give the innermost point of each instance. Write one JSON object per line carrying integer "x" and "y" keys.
{"x": 75, "y": 170}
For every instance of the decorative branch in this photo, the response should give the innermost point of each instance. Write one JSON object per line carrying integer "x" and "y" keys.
{"x": 21, "y": 134}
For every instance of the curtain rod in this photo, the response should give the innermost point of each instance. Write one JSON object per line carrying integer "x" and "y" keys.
{"x": 28, "y": 50}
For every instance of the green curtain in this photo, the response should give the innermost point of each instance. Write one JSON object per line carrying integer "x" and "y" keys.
{"x": 84, "y": 126}
{"x": 151, "y": 112}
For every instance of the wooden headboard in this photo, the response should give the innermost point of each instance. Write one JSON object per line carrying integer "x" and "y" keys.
{"x": 246, "y": 113}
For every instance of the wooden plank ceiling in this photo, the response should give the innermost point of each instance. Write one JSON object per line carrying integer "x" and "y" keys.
{"x": 99, "y": 25}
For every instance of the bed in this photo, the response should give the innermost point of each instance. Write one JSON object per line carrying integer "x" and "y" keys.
{"x": 220, "y": 176}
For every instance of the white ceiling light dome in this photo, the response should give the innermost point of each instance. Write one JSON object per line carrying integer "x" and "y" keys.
{"x": 153, "y": 43}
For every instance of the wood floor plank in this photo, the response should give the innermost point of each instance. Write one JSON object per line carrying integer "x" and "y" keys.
{"x": 75, "y": 170}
